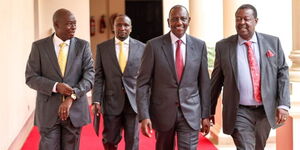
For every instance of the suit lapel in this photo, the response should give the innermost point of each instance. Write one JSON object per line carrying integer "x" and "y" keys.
{"x": 71, "y": 55}
{"x": 49, "y": 45}
{"x": 111, "y": 49}
{"x": 168, "y": 51}
{"x": 262, "y": 53}
{"x": 233, "y": 57}
{"x": 131, "y": 53}
{"x": 190, "y": 49}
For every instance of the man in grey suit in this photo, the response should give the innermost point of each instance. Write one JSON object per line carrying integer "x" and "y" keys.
{"x": 60, "y": 69}
{"x": 117, "y": 64}
{"x": 252, "y": 68}
{"x": 173, "y": 86}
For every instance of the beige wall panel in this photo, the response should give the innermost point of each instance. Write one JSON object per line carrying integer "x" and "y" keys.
{"x": 17, "y": 101}
{"x": 80, "y": 9}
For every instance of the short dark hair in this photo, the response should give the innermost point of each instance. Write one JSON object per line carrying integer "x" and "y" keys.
{"x": 121, "y": 15}
{"x": 179, "y": 6}
{"x": 248, "y": 6}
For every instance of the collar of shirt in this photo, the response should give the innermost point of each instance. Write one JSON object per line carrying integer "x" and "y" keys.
{"x": 182, "y": 47}
{"x": 57, "y": 41}
{"x": 125, "y": 48}
{"x": 243, "y": 72}
{"x": 241, "y": 41}
{"x": 174, "y": 38}
{"x": 126, "y": 41}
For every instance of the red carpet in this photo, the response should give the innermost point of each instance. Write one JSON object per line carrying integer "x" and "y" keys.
{"x": 90, "y": 141}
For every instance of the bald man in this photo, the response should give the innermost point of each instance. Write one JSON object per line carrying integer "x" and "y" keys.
{"x": 60, "y": 69}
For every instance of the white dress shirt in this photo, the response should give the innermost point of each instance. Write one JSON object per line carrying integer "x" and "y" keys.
{"x": 56, "y": 42}
{"x": 174, "y": 39}
{"x": 125, "y": 48}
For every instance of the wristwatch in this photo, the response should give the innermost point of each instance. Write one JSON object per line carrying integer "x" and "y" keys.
{"x": 73, "y": 96}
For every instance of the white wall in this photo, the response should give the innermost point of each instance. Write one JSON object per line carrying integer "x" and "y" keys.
{"x": 275, "y": 18}
{"x": 17, "y": 101}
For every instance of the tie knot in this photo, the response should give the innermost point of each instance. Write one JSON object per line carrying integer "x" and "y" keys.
{"x": 62, "y": 45}
{"x": 121, "y": 43}
{"x": 248, "y": 43}
{"x": 179, "y": 42}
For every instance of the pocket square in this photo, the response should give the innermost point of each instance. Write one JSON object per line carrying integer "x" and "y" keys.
{"x": 270, "y": 53}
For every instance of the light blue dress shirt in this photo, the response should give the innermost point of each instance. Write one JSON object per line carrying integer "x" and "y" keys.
{"x": 244, "y": 76}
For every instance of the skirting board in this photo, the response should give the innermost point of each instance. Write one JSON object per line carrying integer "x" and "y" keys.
{"x": 23, "y": 134}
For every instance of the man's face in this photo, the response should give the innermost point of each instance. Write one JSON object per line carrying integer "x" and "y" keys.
{"x": 122, "y": 27}
{"x": 65, "y": 26}
{"x": 178, "y": 21}
{"x": 245, "y": 23}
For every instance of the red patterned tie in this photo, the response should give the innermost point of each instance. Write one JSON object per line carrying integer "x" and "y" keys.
{"x": 179, "y": 60}
{"x": 255, "y": 74}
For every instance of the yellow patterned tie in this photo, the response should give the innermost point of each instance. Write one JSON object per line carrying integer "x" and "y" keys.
{"x": 62, "y": 57}
{"x": 122, "y": 57}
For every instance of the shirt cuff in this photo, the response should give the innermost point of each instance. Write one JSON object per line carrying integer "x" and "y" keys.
{"x": 54, "y": 88}
{"x": 284, "y": 107}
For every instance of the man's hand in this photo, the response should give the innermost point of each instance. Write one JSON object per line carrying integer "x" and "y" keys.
{"x": 146, "y": 127}
{"x": 96, "y": 108}
{"x": 281, "y": 115}
{"x": 205, "y": 126}
{"x": 64, "y": 89}
{"x": 64, "y": 108}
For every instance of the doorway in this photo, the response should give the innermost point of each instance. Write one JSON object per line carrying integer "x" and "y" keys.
{"x": 146, "y": 17}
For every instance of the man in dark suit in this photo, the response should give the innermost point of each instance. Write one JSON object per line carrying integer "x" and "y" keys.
{"x": 252, "y": 68}
{"x": 117, "y": 64}
{"x": 60, "y": 69}
{"x": 173, "y": 86}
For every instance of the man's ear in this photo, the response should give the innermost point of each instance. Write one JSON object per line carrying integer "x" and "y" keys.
{"x": 256, "y": 20}
{"x": 55, "y": 25}
{"x": 168, "y": 22}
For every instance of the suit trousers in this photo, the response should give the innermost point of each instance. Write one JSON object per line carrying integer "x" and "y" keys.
{"x": 251, "y": 129}
{"x": 113, "y": 125}
{"x": 187, "y": 138}
{"x": 62, "y": 136}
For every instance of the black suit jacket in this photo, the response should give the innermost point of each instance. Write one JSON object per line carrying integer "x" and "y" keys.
{"x": 110, "y": 83}
{"x": 158, "y": 90}
{"x": 42, "y": 72}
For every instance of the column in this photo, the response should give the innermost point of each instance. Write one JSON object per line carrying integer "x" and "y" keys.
{"x": 295, "y": 54}
{"x": 229, "y": 8}
{"x": 206, "y": 20}
{"x": 287, "y": 135}
{"x": 224, "y": 28}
